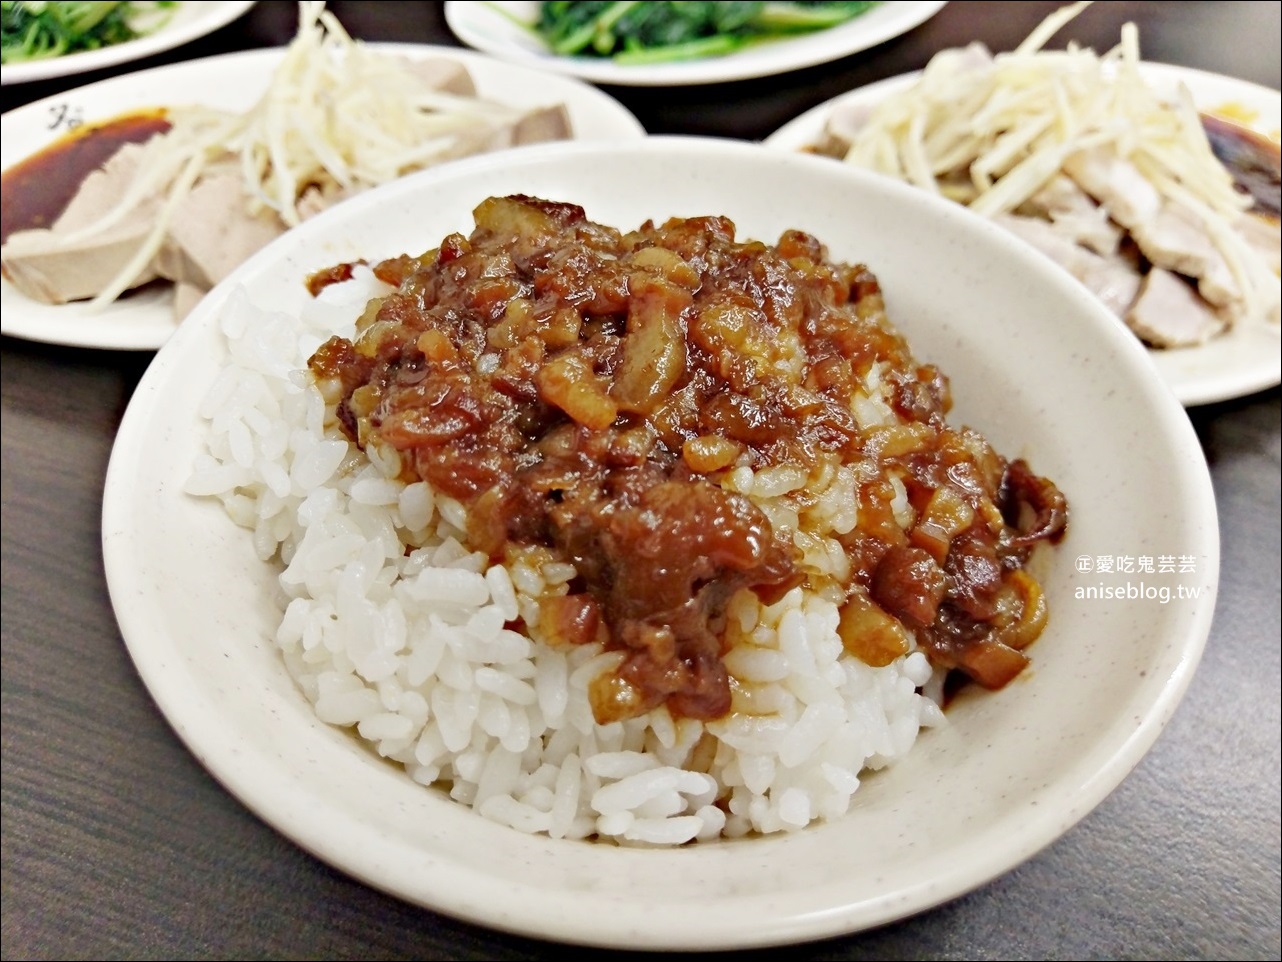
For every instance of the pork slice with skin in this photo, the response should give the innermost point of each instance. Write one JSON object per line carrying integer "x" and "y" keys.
{"x": 54, "y": 266}
{"x": 1116, "y": 183}
{"x": 1176, "y": 239}
{"x": 535, "y": 127}
{"x": 1114, "y": 280}
{"x": 443, "y": 74}
{"x": 538, "y": 126}
{"x": 1076, "y": 214}
{"x": 212, "y": 232}
{"x": 1168, "y": 234}
{"x": 1169, "y": 312}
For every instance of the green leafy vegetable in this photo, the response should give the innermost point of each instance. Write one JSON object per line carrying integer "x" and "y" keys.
{"x": 632, "y": 31}
{"x": 38, "y": 30}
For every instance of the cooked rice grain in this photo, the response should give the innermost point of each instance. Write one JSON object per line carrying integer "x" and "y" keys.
{"x": 413, "y": 652}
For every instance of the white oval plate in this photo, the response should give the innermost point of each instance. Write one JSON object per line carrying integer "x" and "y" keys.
{"x": 1010, "y": 774}
{"x": 491, "y": 27}
{"x": 191, "y": 20}
{"x": 144, "y": 321}
{"x": 1240, "y": 362}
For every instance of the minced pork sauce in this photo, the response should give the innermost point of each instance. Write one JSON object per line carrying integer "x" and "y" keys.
{"x": 589, "y": 391}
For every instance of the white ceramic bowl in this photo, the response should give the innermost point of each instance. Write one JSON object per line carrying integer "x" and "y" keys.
{"x": 1035, "y": 363}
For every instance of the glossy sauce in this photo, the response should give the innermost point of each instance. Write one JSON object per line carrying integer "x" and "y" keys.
{"x": 585, "y": 392}
{"x": 34, "y": 192}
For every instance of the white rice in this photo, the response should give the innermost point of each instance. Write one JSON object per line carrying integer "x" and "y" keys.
{"x": 411, "y": 650}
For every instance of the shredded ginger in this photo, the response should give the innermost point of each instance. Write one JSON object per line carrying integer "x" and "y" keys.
{"x": 337, "y": 117}
{"x": 990, "y": 132}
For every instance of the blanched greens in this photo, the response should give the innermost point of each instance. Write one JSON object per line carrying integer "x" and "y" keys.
{"x": 631, "y": 31}
{"x": 38, "y": 30}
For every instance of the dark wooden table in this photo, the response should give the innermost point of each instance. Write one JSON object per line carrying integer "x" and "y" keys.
{"x": 116, "y": 843}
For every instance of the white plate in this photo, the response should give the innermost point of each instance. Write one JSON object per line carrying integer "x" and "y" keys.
{"x": 144, "y": 321}
{"x": 191, "y": 20}
{"x": 1010, "y": 774}
{"x": 483, "y": 26}
{"x": 1247, "y": 358}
